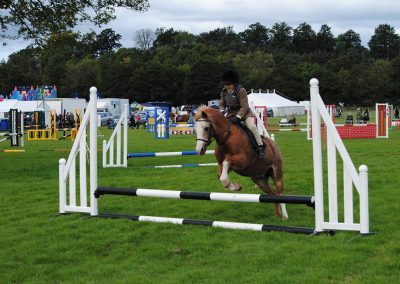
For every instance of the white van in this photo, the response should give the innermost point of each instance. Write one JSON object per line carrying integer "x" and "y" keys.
{"x": 104, "y": 114}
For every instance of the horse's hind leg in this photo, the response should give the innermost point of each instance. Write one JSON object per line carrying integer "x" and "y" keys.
{"x": 262, "y": 183}
{"x": 277, "y": 177}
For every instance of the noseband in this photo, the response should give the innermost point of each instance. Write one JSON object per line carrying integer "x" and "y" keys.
{"x": 212, "y": 135}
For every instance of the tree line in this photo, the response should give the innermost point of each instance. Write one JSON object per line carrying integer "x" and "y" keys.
{"x": 184, "y": 68}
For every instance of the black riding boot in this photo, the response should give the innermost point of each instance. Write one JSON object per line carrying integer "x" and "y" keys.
{"x": 260, "y": 152}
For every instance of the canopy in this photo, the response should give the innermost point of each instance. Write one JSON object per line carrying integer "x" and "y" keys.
{"x": 279, "y": 105}
{"x": 6, "y": 105}
{"x": 24, "y": 106}
{"x": 28, "y": 106}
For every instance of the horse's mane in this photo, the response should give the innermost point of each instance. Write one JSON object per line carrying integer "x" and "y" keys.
{"x": 205, "y": 112}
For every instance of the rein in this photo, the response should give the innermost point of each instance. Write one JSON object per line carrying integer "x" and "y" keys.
{"x": 213, "y": 136}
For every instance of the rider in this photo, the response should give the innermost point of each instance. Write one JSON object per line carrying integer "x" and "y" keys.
{"x": 234, "y": 104}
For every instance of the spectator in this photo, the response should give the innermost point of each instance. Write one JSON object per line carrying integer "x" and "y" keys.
{"x": 137, "y": 120}
{"x": 132, "y": 121}
{"x": 358, "y": 116}
{"x": 396, "y": 113}
{"x": 339, "y": 113}
{"x": 366, "y": 116}
{"x": 349, "y": 119}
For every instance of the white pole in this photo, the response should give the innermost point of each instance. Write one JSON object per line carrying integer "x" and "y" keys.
{"x": 93, "y": 150}
{"x": 125, "y": 158}
{"x": 308, "y": 122}
{"x": 82, "y": 170}
{"x": 72, "y": 183}
{"x": 317, "y": 156}
{"x": 364, "y": 207}
{"x": 119, "y": 146}
{"x": 22, "y": 129}
{"x": 332, "y": 178}
{"x": 111, "y": 151}
{"x": 62, "y": 185}
{"x": 104, "y": 153}
{"x": 348, "y": 196}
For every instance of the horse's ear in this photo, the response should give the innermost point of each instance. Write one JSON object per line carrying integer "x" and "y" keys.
{"x": 201, "y": 113}
{"x": 204, "y": 114}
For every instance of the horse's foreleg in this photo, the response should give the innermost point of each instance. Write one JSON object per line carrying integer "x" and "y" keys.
{"x": 224, "y": 178}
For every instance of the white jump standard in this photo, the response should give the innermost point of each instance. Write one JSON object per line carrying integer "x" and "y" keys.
{"x": 67, "y": 178}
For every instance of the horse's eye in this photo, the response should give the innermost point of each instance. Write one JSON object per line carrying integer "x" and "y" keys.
{"x": 206, "y": 128}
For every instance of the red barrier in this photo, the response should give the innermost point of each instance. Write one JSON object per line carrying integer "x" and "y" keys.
{"x": 357, "y": 131}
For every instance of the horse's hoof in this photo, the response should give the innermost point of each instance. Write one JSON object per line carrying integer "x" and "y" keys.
{"x": 234, "y": 187}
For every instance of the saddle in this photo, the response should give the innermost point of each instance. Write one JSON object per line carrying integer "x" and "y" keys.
{"x": 247, "y": 131}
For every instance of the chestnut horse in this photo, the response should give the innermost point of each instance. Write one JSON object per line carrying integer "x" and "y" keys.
{"x": 234, "y": 151}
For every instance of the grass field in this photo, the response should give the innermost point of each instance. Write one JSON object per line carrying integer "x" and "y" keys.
{"x": 39, "y": 246}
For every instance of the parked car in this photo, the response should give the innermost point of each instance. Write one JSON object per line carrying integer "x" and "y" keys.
{"x": 116, "y": 118}
{"x": 270, "y": 112}
{"x": 105, "y": 116}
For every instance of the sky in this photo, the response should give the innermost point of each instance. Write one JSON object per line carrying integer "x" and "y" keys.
{"x": 197, "y": 16}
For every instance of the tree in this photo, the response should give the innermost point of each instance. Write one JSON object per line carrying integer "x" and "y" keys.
{"x": 164, "y": 37}
{"x": 79, "y": 75}
{"x": 144, "y": 38}
{"x": 172, "y": 38}
{"x": 385, "y": 43}
{"x": 106, "y": 42}
{"x": 38, "y": 19}
{"x": 377, "y": 84}
{"x": 255, "y": 68}
{"x": 223, "y": 39}
{"x": 22, "y": 69}
{"x": 325, "y": 40}
{"x": 281, "y": 36}
{"x": 304, "y": 38}
{"x": 255, "y": 37}
{"x": 348, "y": 40}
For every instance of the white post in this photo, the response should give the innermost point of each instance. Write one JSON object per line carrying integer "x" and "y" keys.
{"x": 317, "y": 156}
{"x": 111, "y": 150}
{"x": 104, "y": 153}
{"x": 308, "y": 122}
{"x": 62, "y": 185}
{"x": 72, "y": 183}
{"x": 93, "y": 150}
{"x": 364, "y": 207}
{"x": 348, "y": 196}
{"x": 119, "y": 146}
{"x": 22, "y": 129}
{"x": 125, "y": 158}
{"x": 82, "y": 170}
{"x": 332, "y": 178}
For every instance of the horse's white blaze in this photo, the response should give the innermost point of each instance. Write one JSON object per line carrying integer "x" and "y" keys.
{"x": 202, "y": 134}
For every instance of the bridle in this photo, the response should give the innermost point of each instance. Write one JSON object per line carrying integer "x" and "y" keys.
{"x": 212, "y": 135}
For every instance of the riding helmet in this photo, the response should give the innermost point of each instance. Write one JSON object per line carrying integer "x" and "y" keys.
{"x": 230, "y": 77}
